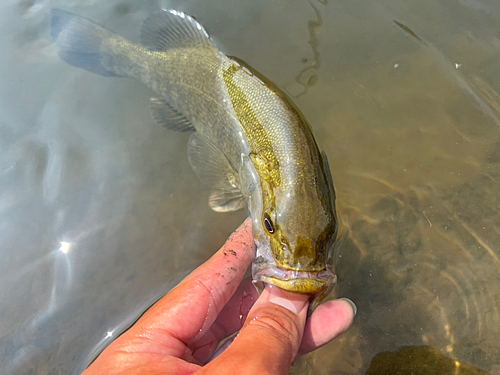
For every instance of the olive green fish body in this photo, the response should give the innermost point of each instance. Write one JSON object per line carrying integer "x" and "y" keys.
{"x": 189, "y": 79}
{"x": 251, "y": 144}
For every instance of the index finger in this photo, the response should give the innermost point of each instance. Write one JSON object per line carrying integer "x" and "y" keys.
{"x": 188, "y": 311}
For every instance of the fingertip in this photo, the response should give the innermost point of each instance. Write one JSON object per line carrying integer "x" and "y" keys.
{"x": 351, "y": 304}
{"x": 338, "y": 314}
{"x": 327, "y": 322}
{"x": 244, "y": 229}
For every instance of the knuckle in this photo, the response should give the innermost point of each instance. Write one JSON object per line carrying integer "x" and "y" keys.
{"x": 276, "y": 323}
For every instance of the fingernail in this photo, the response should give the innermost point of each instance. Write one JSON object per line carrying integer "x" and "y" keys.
{"x": 352, "y": 304}
{"x": 290, "y": 301}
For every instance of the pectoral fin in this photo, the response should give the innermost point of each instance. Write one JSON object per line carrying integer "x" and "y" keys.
{"x": 168, "y": 117}
{"x": 226, "y": 200}
{"x": 214, "y": 170}
{"x": 248, "y": 176}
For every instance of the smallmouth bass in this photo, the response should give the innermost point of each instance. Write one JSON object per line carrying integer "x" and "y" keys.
{"x": 250, "y": 143}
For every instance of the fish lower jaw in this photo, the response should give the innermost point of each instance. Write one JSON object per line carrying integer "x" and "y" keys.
{"x": 294, "y": 281}
{"x": 304, "y": 285}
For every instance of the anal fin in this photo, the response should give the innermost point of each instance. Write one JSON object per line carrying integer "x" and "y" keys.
{"x": 168, "y": 117}
{"x": 213, "y": 169}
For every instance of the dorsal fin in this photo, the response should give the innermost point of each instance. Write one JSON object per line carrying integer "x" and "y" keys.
{"x": 172, "y": 29}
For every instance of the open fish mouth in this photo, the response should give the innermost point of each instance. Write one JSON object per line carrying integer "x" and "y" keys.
{"x": 310, "y": 282}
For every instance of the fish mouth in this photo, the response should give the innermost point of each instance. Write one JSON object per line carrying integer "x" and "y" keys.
{"x": 309, "y": 282}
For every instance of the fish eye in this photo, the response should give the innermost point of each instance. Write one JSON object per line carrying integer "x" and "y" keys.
{"x": 268, "y": 224}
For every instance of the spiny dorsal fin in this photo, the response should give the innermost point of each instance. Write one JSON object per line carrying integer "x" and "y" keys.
{"x": 172, "y": 29}
{"x": 213, "y": 169}
{"x": 168, "y": 117}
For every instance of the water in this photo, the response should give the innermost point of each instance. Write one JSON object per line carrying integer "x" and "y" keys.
{"x": 101, "y": 213}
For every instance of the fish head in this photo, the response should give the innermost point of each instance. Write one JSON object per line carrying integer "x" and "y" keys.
{"x": 295, "y": 233}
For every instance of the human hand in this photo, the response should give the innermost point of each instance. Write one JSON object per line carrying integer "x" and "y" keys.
{"x": 181, "y": 332}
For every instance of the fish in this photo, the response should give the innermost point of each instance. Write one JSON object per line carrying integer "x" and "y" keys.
{"x": 250, "y": 143}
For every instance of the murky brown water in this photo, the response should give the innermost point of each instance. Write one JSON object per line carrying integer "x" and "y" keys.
{"x": 411, "y": 129}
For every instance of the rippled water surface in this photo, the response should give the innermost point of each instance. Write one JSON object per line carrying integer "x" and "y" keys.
{"x": 101, "y": 213}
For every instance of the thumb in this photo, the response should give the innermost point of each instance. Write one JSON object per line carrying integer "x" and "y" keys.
{"x": 270, "y": 337}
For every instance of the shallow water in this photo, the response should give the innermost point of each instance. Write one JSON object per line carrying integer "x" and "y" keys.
{"x": 101, "y": 213}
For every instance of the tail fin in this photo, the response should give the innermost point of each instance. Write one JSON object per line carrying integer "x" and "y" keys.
{"x": 80, "y": 41}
